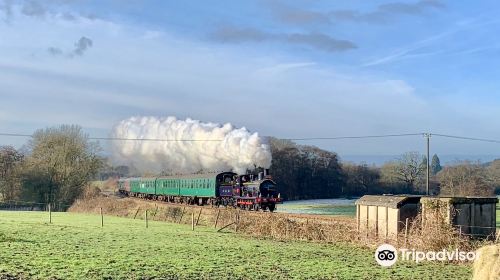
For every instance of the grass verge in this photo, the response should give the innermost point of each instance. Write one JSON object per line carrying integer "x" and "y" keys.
{"x": 74, "y": 246}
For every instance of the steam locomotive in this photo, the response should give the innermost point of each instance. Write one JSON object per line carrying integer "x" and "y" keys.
{"x": 247, "y": 191}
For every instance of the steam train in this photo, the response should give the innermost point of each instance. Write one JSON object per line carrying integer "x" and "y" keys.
{"x": 228, "y": 189}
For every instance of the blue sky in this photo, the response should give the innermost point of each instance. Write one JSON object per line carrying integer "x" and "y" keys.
{"x": 282, "y": 68}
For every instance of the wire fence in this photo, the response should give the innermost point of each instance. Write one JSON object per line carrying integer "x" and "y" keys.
{"x": 178, "y": 213}
{"x": 19, "y": 205}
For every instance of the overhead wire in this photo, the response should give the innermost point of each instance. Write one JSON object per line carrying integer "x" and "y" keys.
{"x": 290, "y": 139}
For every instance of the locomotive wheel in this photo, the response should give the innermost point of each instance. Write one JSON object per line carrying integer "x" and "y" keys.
{"x": 272, "y": 207}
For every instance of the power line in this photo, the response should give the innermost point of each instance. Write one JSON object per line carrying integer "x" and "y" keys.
{"x": 218, "y": 140}
{"x": 467, "y": 138}
{"x": 290, "y": 139}
{"x": 353, "y": 137}
{"x": 16, "y": 135}
{"x": 155, "y": 139}
{"x": 122, "y": 139}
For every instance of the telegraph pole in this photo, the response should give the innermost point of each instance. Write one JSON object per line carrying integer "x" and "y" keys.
{"x": 428, "y": 136}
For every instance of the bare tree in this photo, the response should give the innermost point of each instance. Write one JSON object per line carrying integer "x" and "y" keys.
{"x": 465, "y": 179}
{"x": 10, "y": 160}
{"x": 410, "y": 169}
{"x": 61, "y": 162}
{"x": 494, "y": 173}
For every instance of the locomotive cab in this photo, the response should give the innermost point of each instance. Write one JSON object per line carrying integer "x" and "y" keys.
{"x": 225, "y": 184}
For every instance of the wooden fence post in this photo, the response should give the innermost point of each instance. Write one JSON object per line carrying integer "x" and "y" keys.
{"x": 102, "y": 218}
{"x": 406, "y": 231}
{"x": 237, "y": 220}
{"x": 357, "y": 220}
{"x": 50, "y": 214}
{"x": 182, "y": 214}
{"x": 198, "y": 219}
{"x": 146, "y": 217}
{"x": 156, "y": 209}
{"x": 225, "y": 227}
{"x": 217, "y": 218}
{"x": 136, "y": 212}
{"x": 192, "y": 221}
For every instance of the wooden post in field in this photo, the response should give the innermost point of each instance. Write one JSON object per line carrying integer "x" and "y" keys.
{"x": 102, "y": 218}
{"x": 368, "y": 221}
{"x": 136, "y": 212}
{"x": 146, "y": 217}
{"x": 182, "y": 214}
{"x": 50, "y": 214}
{"x": 198, "y": 219}
{"x": 192, "y": 221}
{"x": 217, "y": 218}
{"x": 423, "y": 216}
{"x": 406, "y": 231}
{"x": 230, "y": 224}
{"x": 156, "y": 209}
{"x": 237, "y": 220}
{"x": 357, "y": 218}
{"x": 386, "y": 223}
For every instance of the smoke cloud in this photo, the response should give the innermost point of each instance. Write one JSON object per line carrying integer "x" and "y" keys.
{"x": 188, "y": 146}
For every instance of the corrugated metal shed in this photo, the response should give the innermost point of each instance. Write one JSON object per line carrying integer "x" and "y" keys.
{"x": 385, "y": 215}
{"x": 391, "y": 201}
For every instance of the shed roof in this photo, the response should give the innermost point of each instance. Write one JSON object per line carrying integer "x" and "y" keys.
{"x": 391, "y": 201}
{"x": 464, "y": 199}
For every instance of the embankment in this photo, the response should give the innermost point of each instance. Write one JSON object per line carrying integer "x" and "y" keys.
{"x": 280, "y": 226}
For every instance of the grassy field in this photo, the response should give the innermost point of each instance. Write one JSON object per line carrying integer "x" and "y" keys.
{"x": 74, "y": 246}
{"x": 344, "y": 207}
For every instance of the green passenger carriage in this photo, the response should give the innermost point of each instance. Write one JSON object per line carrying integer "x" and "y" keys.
{"x": 225, "y": 188}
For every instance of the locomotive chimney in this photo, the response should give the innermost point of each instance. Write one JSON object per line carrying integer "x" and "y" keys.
{"x": 266, "y": 173}
{"x": 261, "y": 175}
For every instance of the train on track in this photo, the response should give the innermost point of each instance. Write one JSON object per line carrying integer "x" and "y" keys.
{"x": 248, "y": 192}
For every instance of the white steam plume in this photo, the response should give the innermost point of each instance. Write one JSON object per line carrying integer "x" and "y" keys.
{"x": 237, "y": 150}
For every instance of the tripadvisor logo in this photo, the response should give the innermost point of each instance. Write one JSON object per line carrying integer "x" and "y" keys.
{"x": 386, "y": 255}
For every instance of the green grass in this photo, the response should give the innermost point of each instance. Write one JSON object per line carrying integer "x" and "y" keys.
{"x": 342, "y": 207}
{"x": 344, "y": 210}
{"x": 74, "y": 246}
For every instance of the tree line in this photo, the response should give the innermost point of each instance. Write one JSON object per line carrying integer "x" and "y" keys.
{"x": 307, "y": 172}
{"x": 57, "y": 164}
